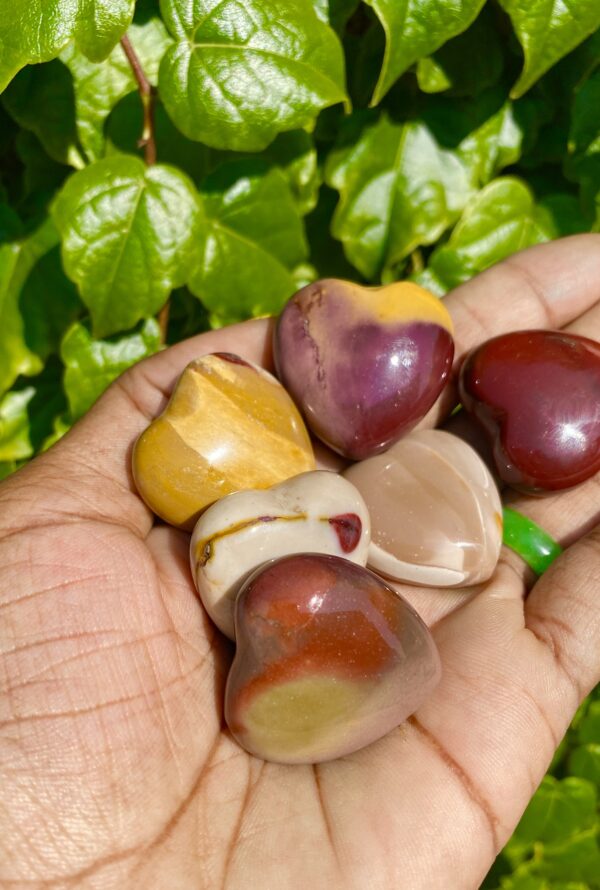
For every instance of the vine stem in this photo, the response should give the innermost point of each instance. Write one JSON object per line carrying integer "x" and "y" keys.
{"x": 147, "y": 95}
{"x": 147, "y": 142}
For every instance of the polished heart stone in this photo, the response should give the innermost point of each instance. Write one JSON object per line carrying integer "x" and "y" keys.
{"x": 229, "y": 425}
{"x": 537, "y": 396}
{"x": 364, "y": 364}
{"x": 436, "y": 516}
{"x": 328, "y": 659}
{"x": 319, "y": 511}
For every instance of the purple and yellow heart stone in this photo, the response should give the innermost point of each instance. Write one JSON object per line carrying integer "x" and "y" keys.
{"x": 364, "y": 364}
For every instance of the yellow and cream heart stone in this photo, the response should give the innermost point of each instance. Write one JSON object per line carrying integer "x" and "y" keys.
{"x": 229, "y": 426}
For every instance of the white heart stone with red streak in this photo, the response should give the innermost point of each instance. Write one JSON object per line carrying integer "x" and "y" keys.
{"x": 315, "y": 512}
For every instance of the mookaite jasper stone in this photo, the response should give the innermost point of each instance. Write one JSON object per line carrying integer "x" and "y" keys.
{"x": 537, "y": 396}
{"x": 364, "y": 364}
{"x": 229, "y": 425}
{"x": 328, "y": 659}
{"x": 436, "y": 516}
{"x": 320, "y": 512}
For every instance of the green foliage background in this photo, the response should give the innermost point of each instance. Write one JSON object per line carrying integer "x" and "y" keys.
{"x": 295, "y": 139}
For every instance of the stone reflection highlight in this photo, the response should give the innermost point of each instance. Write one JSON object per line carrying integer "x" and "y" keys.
{"x": 328, "y": 659}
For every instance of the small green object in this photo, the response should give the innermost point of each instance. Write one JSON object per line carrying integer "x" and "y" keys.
{"x": 531, "y": 542}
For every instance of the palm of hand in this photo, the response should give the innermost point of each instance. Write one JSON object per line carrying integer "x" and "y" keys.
{"x": 113, "y": 745}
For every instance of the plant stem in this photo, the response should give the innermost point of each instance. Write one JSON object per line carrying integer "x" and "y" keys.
{"x": 147, "y": 95}
{"x": 147, "y": 142}
{"x": 163, "y": 321}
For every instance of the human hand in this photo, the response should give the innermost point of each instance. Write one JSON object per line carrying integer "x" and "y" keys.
{"x": 116, "y": 768}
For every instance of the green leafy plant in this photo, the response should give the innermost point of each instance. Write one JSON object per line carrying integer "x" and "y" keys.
{"x": 167, "y": 167}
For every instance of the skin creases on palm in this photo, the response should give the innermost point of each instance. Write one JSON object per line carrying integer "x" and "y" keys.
{"x": 116, "y": 768}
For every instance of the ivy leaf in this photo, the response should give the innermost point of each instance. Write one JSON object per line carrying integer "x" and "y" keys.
{"x": 28, "y": 414}
{"x": 34, "y": 31}
{"x": 583, "y": 164}
{"x": 41, "y": 176}
{"x": 49, "y": 304}
{"x": 243, "y": 71}
{"x": 446, "y": 69}
{"x": 125, "y": 124}
{"x": 559, "y": 809}
{"x": 500, "y": 220}
{"x": 99, "y": 86}
{"x": 14, "y": 425}
{"x": 336, "y": 12}
{"x": 399, "y": 189}
{"x": 295, "y": 155}
{"x": 416, "y": 28}
{"x": 17, "y": 257}
{"x": 253, "y": 241}
{"x": 584, "y": 762}
{"x": 547, "y": 31}
{"x": 41, "y": 100}
{"x": 128, "y": 237}
{"x": 91, "y": 364}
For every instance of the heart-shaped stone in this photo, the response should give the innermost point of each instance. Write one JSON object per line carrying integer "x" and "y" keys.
{"x": 537, "y": 396}
{"x": 328, "y": 659}
{"x": 320, "y": 512}
{"x": 364, "y": 364}
{"x": 229, "y": 425}
{"x": 436, "y": 516}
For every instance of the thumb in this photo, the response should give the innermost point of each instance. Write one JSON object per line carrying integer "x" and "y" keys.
{"x": 87, "y": 475}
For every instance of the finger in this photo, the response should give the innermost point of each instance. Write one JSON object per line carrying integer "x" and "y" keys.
{"x": 562, "y": 612}
{"x": 88, "y": 473}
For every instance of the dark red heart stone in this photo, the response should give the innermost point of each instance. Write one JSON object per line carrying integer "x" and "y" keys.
{"x": 537, "y": 396}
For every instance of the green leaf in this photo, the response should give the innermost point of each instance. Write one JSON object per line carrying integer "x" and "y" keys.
{"x": 500, "y": 220}
{"x": 41, "y": 100}
{"x": 253, "y": 241}
{"x": 91, "y": 365}
{"x": 48, "y": 303}
{"x": 416, "y": 28}
{"x": 14, "y": 425}
{"x": 187, "y": 316}
{"x": 99, "y": 86}
{"x": 588, "y": 730}
{"x": 325, "y": 252}
{"x": 125, "y": 124}
{"x": 42, "y": 176}
{"x": 28, "y": 413}
{"x": 241, "y": 72}
{"x": 558, "y": 810}
{"x": 336, "y": 12}
{"x": 447, "y": 70}
{"x": 294, "y": 154}
{"x": 17, "y": 258}
{"x": 6, "y": 468}
{"x": 128, "y": 237}
{"x": 576, "y": 858}
{"x": 36, "y": 30}
{"x": 399, "y": 189}
{"x": 584, "y": 762}
{"x": 547, "y": 31}
{"x": 583, "y": 165}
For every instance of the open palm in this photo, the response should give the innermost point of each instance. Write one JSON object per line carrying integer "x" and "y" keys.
{"x": 115, "y": 766}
